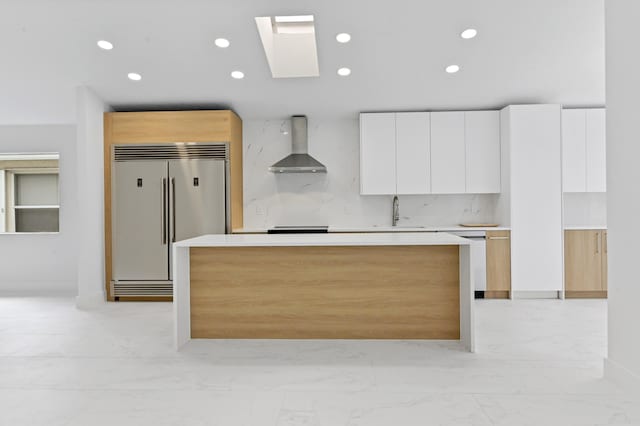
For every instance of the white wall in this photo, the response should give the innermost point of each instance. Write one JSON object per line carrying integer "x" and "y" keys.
{"x": 588, "y": 209}
{"x": 90, "y": 110}
{"x": 43, "y": 264}
{"x": 334, "y": 198}
{"x": 623, "y": 176}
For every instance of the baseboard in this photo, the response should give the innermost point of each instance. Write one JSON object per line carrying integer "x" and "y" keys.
{"x": 621, "y": 375}
{"x": 91, "y": 300}
{"x": 38, "y": 289}
{"x": 535, "y": 294}
{"x": 496, "y": 294}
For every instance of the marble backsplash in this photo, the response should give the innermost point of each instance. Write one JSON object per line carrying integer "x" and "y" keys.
{"x": 585, "y": 209}
{"x": 334, "y": 198}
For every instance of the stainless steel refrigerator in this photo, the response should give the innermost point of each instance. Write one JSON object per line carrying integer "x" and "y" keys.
{"x": 158, "y": 201}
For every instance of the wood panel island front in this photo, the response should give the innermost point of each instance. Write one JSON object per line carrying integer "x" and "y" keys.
{"x": 324, "y": 286}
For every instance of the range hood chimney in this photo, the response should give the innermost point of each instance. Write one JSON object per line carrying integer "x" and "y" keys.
{"x": 299, "y": 161}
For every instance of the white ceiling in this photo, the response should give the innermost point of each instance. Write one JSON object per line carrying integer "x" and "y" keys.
{"x": 526, "y": 51}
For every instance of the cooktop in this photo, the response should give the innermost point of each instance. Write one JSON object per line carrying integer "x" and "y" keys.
{"x": 298, "y": 229}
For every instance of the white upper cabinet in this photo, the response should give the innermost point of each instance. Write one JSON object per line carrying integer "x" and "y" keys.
{"x": 394, "y": 153}
{"x": 430, "y": 153}
{"x": 574, "y": 164}
{"x": 596, "y": 150}
{"x": 448, "y": 165}
{"x": 378, "y": 153}
{"x": 482, "y": 140}
{"x": 583, "y": 150}
{"x": 413, "y": 173}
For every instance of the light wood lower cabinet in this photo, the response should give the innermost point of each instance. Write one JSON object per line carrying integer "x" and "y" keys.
{"x": 585, "y": 263}
{"x": 498, "y": 265}
{"x": 605, "y": 262}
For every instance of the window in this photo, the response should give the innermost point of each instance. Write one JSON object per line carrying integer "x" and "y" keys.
{"x": 29, "y": 193}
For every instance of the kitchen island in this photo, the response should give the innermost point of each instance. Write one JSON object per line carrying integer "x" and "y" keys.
{"x": 324, "y": 286}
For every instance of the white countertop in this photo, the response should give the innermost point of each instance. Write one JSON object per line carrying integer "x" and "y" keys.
{"x": 330, "y": 239}
{"x": 584, "y": 228}
{"x": 451, "y": 228}
{"x": 400, "y": 229}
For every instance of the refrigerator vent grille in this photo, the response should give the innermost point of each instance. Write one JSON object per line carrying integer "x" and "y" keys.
{"x": 203, "y": 151}
{"x": 123, "y": 288}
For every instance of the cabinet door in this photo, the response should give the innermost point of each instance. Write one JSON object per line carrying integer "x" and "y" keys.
{"x": 605, "y": 261}
{"x": 574, "y": 172}
{"x": 596, "y": 150}
{"x": 482, "y": 141}
{"x": 140, "y": 236}
{"x": 413, "y": 174}
{"x": 377, "y": 153}
{"x": 197, "y": 197}
{"x": 583, "y": 260}
{"x": 447, "y": 153}
{"x": 3, "y": 202}
{"x": 498, "y": 261}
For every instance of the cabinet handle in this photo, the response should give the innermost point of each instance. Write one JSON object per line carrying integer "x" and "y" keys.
{"x": 164, "y": 211}
{"x": 597, "y": 242}
{"x": 606, "y": 244}
{"x": 173, "y": 204}
{"x": 498, "y": 238}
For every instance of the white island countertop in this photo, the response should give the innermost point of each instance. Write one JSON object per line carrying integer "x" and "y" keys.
{"x": 329, "y": 239}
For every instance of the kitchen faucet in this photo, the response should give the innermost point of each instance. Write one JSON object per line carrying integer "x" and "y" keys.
{"x": 396, "y": 211}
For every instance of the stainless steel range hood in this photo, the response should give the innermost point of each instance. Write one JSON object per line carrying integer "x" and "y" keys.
{"x": 299, "y": 161}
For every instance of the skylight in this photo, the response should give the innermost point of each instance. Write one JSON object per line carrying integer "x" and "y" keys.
{"x": 295, "y": 18}
{"x": 289, "y": 44}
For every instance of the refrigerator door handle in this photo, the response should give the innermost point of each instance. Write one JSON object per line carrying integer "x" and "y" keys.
{"x": 173, "y": 208}
{"x": 164, "y": 211}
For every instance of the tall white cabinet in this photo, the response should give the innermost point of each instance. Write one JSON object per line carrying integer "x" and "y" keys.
{"x": 584, "y": 150}
{"x": 3, "y": 204}
{"x": 532, "y": 200}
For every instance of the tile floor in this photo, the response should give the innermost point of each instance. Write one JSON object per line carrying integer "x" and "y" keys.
{"x": 539, "y": 362}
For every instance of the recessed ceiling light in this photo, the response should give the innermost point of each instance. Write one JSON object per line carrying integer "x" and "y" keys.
{"x": 237, "y": 74}
{"x": 451, "y": 69}
{"x": 134, "y": 76}
{"x": 343, "y": 38}
{"x": 104, "y": 44}
{"x": 222, "y": 42}
{"x": 344, "y": 72}
{"x": 469, "y": 33}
